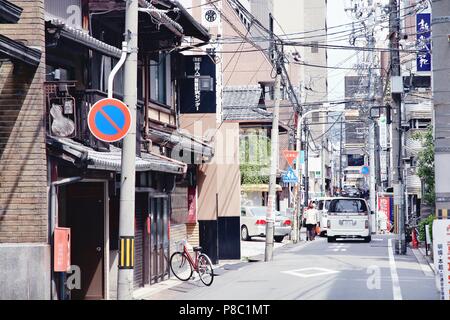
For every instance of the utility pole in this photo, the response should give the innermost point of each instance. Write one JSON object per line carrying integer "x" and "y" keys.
{"x": 441, "y": 97}
{"x": 270, "y": 217}
{"x": 372, "y": 88}
{"x": 322, "y": 168}
{"x": 298, "y": 166}
{"x": 306, "y": 197}
{"x": 127, "y": 179}
{"x": 397, "y": 172}
{"x": 340, "y": 158}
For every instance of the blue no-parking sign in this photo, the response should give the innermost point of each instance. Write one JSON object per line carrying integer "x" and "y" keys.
{"x": 109, "y": 120}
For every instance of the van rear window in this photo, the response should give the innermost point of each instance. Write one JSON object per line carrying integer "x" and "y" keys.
{"x": 348, "y": 206}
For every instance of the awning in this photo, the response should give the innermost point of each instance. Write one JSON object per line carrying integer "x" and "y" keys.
{"x": 9, "y": 12}
{"x": 186, "y": 142}
{"x": 16, "y": 51}
{"x": 83, "y": 38}
{"x": 111, "y": 161}
{"x": 259, "y": 188}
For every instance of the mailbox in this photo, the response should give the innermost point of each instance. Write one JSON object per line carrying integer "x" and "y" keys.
{"x": 61, "y": 247}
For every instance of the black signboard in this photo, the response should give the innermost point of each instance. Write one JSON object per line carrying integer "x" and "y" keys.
{"x": 198, "y": 86}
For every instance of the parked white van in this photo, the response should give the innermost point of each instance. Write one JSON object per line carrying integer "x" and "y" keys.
{"x": 322, "y": 205}
{"x": 348, "y": 218}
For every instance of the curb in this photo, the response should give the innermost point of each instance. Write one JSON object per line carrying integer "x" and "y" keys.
{"x": 422, "y": 258}
{"x": 428, "y": 259}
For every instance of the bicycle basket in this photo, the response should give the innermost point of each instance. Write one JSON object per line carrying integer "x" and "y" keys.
{"x": 180, "y": 245}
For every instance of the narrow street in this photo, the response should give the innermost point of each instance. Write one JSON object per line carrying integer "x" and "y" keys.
{"x": 134, "y": 133}
{"x": 319, "y": 271}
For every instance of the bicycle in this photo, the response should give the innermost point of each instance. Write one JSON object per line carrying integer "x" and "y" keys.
{"x": 183, "y": 265}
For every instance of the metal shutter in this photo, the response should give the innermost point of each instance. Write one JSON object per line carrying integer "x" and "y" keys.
{"x": 139, "y": 241}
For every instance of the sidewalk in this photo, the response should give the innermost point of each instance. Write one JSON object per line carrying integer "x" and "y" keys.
{"x": 422, "y": 257}
{"x": 147, "y": 292}
{"x": 224, "y": 266}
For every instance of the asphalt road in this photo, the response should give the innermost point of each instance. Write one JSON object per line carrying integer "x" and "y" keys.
{"x": 319, "y": 270}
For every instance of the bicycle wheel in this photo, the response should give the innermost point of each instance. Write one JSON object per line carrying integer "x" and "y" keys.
{"x": 180, "y": 266}
{"x": 205, "y": 269}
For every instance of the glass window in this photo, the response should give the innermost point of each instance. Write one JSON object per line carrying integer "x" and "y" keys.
{"x": 158, "y": 80}
{"x": 262, "y": 211}
{"x": 320, "y": 205}
{"x": 355, "y": 160}
{"x": 348, "y": 206}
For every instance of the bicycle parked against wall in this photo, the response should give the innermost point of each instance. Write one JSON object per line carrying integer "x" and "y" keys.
{"x": 183, "y": 265}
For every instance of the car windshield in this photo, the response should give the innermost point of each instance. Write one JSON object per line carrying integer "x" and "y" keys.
{"x": 262, "y": 211}
{"x": 348, "y": 206}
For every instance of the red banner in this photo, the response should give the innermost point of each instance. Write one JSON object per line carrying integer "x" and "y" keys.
{"x": 384, "y": 207}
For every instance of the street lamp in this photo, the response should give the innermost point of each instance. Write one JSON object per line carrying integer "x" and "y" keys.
{"x": 299, "y": 197}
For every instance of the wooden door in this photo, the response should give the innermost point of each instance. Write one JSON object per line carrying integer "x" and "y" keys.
{"x": 85, "y": 217}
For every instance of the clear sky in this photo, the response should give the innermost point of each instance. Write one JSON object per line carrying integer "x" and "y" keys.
{"x": 337, "y": 16}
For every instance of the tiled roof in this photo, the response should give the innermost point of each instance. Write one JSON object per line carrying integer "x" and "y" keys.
{"x": 111, "y": 161}
{"x": 186, "y": 142}
{"x": 9, "y": 12}
{"x": 241, "y": 103}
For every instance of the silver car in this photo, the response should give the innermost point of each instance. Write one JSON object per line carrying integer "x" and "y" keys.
{"x": 253, "y": 224}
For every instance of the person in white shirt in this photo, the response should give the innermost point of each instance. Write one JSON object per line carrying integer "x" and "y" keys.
{"x": 311, "y": 218}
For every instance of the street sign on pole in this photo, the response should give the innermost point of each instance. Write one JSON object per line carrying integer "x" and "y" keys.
{"x": 441, "y": 254}
{"x": 365, "y": 170}
{"x": 290, "y": 156}
{"x": 109, "y": 120}
{"x": 289, "y": 176}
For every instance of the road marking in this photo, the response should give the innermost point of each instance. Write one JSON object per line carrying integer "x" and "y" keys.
{"x": 303, "y": 273}
{"x": 396, "y": 290}
{"x": 338, "y": 247}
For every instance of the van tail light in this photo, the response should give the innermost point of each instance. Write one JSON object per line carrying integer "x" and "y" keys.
{"x": 287, "y": 223}
{"x": 329, "y": 224}
{"x": 260, "y": 222}
{"x": 367, "y": 224}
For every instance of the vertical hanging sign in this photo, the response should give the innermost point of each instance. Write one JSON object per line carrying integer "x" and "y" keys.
{"x": 441, "y": 254}
{"x": 423, "y": 23}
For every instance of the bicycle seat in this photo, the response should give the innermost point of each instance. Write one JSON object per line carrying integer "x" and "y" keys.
{"x": 196, "y": 249}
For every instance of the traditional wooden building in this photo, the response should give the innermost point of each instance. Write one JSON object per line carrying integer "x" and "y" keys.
{"x": 75, "y": 177}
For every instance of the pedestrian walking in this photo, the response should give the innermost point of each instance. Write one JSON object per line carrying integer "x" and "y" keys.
{"x": 311, "y": 218}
